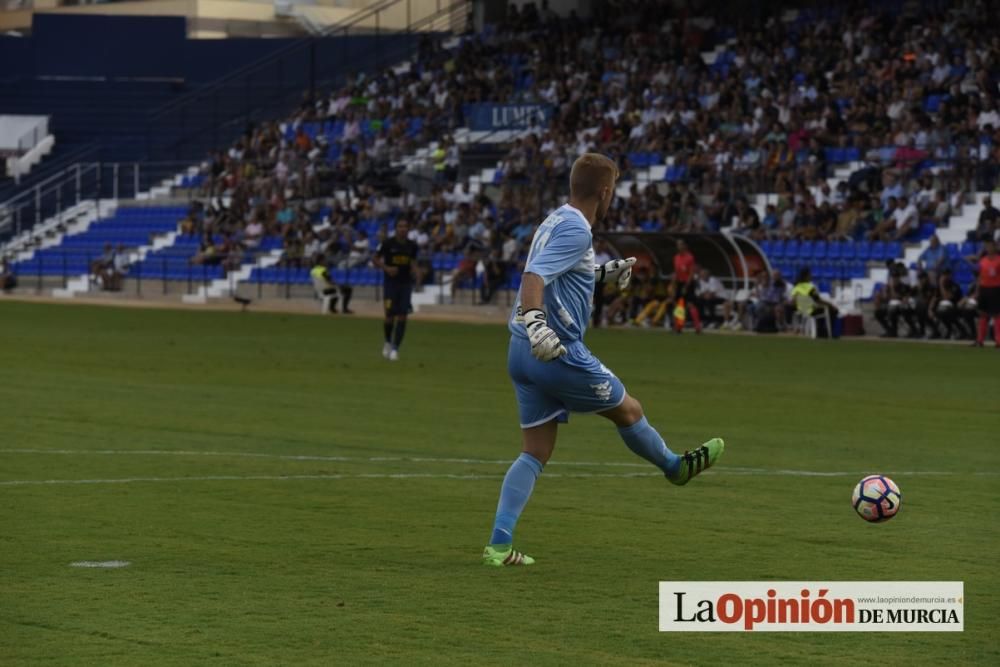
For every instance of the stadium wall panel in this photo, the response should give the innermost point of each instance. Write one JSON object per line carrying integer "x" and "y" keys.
{"x": 111, "y": 46}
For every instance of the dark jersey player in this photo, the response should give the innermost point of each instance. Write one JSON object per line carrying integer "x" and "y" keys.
{"x": 397, "y": 257}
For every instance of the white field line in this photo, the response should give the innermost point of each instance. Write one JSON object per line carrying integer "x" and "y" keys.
{"x": 112, "y": 564}
{"x": 302, "y": 457}
{"x": 283, "y": 478}
{"x": 724, "y": 470}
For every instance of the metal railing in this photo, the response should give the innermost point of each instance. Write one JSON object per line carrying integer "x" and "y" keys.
{"x": 81, "y": 182}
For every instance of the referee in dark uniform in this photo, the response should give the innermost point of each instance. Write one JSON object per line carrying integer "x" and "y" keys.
{"x": 397, "y": 257}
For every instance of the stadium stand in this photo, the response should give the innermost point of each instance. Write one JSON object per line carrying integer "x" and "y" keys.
{"x": 129, "y": 228}
{"x": 801, "y": 131}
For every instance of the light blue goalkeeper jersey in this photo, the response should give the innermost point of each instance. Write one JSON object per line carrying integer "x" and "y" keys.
{"x": 562, "y": 253}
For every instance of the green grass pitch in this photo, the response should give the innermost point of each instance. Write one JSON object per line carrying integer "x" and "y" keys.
{"x": 295, "y": 499}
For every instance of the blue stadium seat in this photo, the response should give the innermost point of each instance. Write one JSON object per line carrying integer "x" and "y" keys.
{"x": 932, "y": 103}
{"x": 676, "y": 173}
{"x": 778, "y": 249}
{"x": 926, "y": 230}
{"x": 415, "y": 127}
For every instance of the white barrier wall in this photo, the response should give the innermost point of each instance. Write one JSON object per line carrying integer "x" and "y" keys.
{"x": 24, "y": 140}
{"x": 22, "y": 133}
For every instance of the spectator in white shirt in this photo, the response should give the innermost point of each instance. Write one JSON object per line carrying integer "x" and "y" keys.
{"x": 988, "y": 117}
{"x": 252, "y": 234}
{"x": 905, "y": 217}
{"x": 510, "y": 248}
{"x": 313, "y": 246}
{"x": 419, "y": 236}
{"x": 360, "y": 251}
{"x": 463, "y": 194}
{"x": 709, "y": 294}
{"x": 119, "y": 268}
{"x": 352, "y": 130}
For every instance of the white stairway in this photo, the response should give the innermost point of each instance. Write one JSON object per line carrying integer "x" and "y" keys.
{"x": 75, "y": 220}
{"x": 167, "y": 185}
{"x": 82, "y": 284}
{"x": 228, "y": 284}
{"x": 432, "y": 295}
{"x": 78, "y": 220}
{"x": 959, "y": 226}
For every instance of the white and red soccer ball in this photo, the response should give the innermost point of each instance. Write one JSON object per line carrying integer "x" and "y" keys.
{"x": 876, "y": 498}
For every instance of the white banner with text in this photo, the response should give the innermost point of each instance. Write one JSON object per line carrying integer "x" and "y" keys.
{"x": 812, "y": 606}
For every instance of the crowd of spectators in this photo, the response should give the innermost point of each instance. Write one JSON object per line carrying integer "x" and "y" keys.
{"x": 909, "y": 98}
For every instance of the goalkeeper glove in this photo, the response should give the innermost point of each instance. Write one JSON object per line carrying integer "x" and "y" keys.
{"x": 616, "y": 269}
{"x": 545, "y": 343}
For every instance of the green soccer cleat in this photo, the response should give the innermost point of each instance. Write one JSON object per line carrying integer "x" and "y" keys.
{"x": 499, "y": 558}
{"x": 697, "y": 461}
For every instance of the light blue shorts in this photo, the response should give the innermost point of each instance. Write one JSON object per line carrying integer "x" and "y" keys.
{"x": 547, "y": 390}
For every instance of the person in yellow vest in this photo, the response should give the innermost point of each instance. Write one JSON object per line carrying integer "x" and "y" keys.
{"x": 326, "y": 288}
{"x": 439, "y": 156}
{"x": 803, "y": 288}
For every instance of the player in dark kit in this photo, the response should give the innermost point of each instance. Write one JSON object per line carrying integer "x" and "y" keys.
{"x": 397, "y": 257}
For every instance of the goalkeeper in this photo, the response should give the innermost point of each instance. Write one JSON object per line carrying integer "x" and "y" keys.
{"x": 553, "y": 371}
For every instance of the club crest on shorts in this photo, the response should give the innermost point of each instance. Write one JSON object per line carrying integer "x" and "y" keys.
{"x": 602, "y": 390}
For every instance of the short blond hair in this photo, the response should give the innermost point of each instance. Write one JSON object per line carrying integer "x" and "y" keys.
{"x": 590, "y": 173}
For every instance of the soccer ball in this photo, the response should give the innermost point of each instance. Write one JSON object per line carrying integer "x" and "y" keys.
{"x": 876, "y": 498}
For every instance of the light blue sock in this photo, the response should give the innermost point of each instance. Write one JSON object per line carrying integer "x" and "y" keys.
{"x": 643, "y": 439}
{"x": 514, "y": 494}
